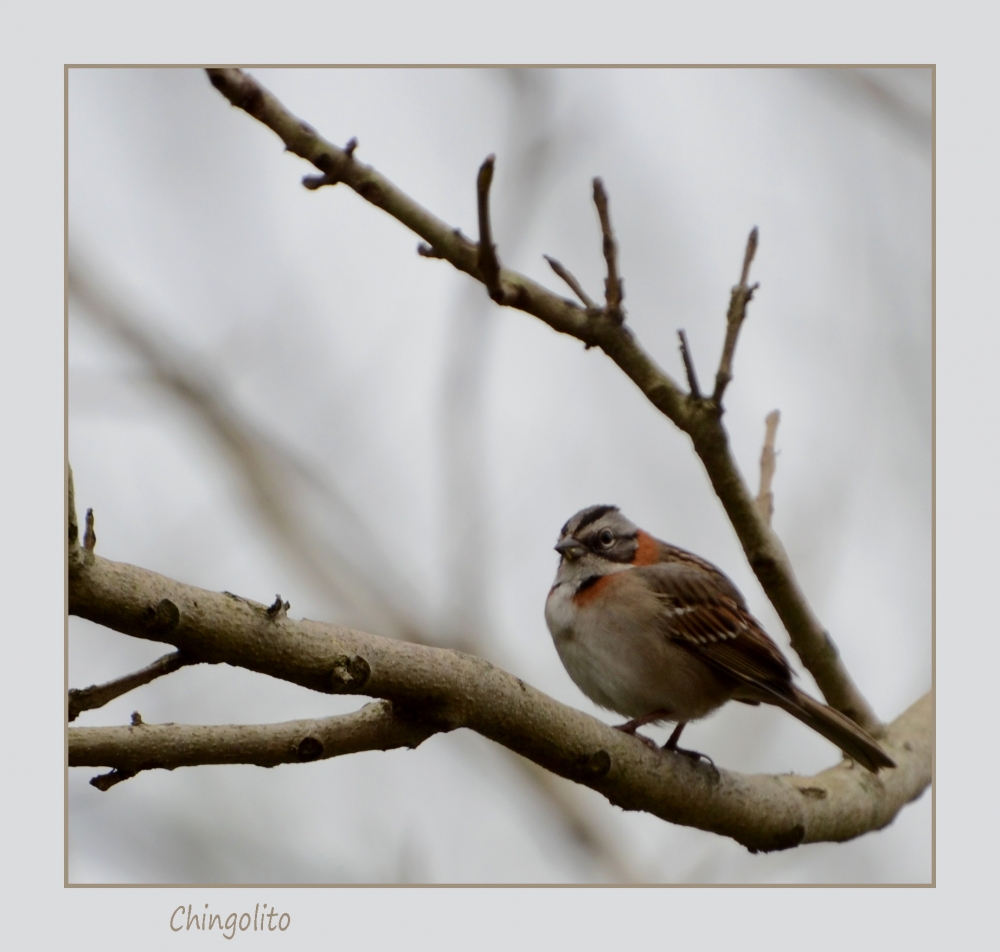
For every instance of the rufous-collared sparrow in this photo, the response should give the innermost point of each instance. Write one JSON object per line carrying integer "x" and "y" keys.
{"x": 657, "y": 634}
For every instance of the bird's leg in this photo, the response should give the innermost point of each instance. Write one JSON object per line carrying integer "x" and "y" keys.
{"x": 633, "y": 725}
{"x": 671, "y": 745}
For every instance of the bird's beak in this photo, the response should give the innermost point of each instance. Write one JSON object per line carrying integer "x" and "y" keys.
{"x": 570, "y": 549}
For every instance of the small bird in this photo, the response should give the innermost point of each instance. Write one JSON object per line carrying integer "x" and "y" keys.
{"x": 655, "y": 633}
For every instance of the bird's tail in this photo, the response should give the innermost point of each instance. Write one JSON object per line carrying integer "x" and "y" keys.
{"x": 837, "y": 728}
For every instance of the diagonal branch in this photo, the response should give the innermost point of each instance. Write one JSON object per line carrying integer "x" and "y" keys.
{"x": 701, "y": 420}
{"x": 97, "y": 695}
{"x": 443, "y": 690}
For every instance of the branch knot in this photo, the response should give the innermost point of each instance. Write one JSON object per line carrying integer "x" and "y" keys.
{"x": 350, "y": 674}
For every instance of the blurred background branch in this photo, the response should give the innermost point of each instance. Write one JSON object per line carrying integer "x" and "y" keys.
{"x": 327, "y": 539}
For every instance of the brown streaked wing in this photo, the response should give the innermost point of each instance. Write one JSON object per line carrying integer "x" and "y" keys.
{"x": 701, "y": 614}
{"x": 709, "y": 574}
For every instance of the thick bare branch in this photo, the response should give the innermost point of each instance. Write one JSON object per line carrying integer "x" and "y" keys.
{"x": 700, "y": 419}
{"x": 444, "y": 690}
{"x": 768, "y": 464}
{"x": 97, "y": 695}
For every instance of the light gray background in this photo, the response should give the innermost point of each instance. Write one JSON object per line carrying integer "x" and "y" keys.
{"x": 462, "y": 435}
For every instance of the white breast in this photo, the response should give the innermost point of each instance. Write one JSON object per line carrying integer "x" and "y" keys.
{"x": 627, "y": 666}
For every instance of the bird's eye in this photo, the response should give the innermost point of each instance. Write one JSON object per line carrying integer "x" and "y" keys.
{"x": 606, "y": 538}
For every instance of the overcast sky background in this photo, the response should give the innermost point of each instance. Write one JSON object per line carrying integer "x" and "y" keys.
{"x": 430, "y": 445}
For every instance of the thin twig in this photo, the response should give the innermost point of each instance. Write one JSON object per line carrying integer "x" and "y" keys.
{"x": 614, "y": 290}
{"x": 97, "y": 695}
{"x": 739, "y": 298}
{"x": 575, "y": 285}
{"x": 489, "y": 264}
{"x": 689, "y": 365}
{"x": 768, "y": 464}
